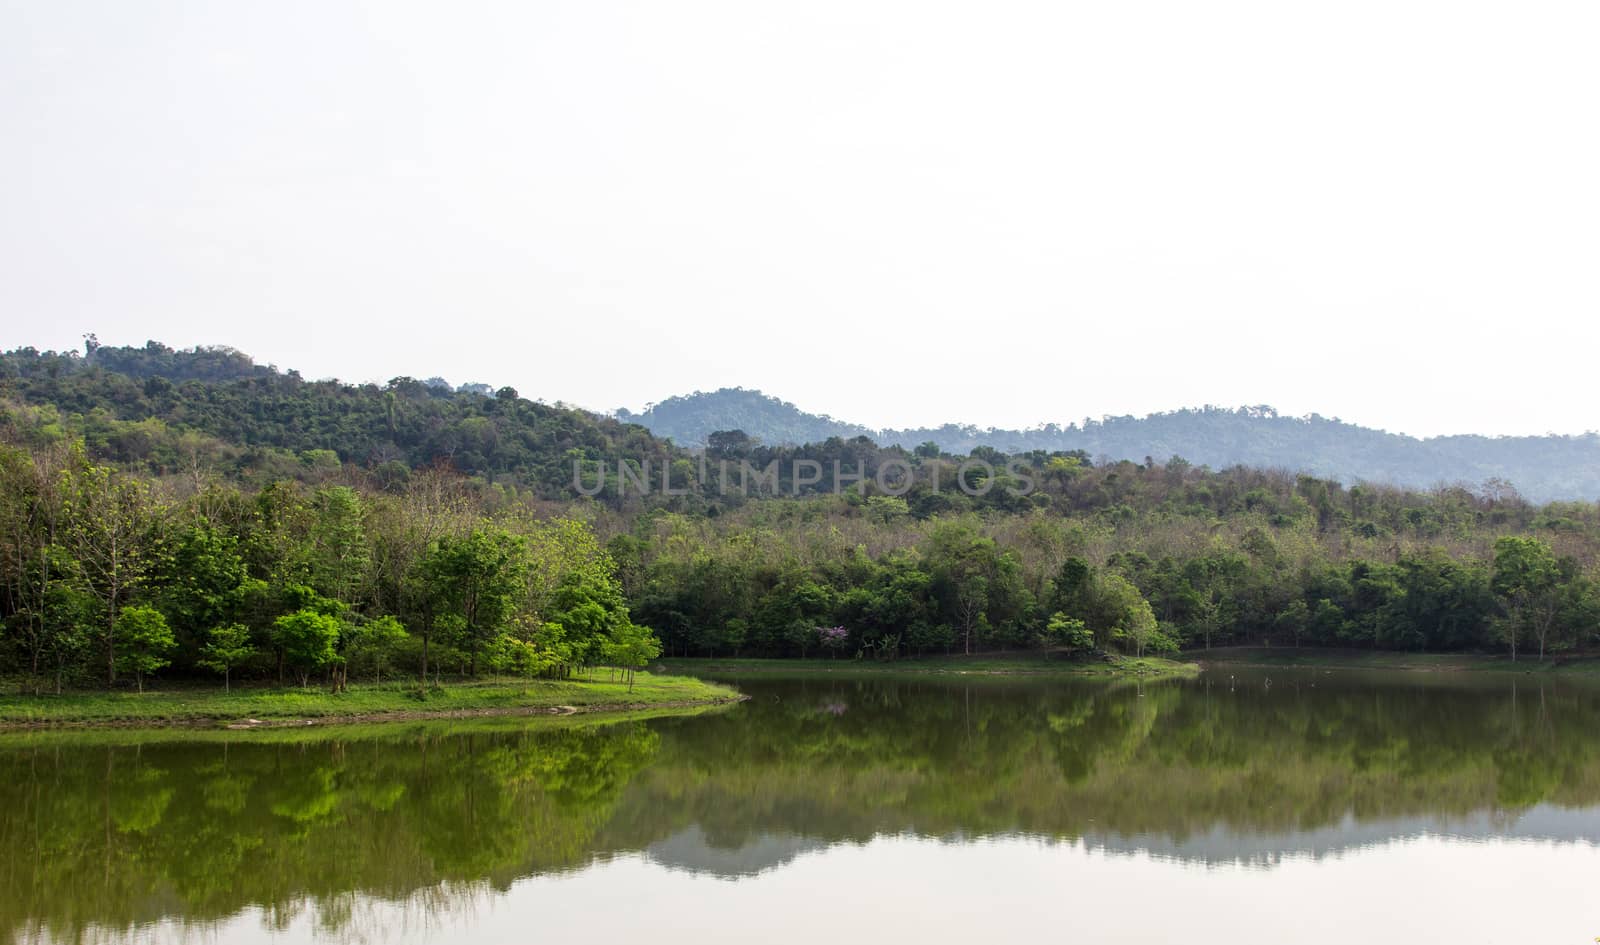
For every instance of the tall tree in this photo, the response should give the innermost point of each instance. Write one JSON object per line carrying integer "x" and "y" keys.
{"x": 478, "y": 581}
{"x": 339, "y": 555}
{"x": 109, "y": 527}
{"x": 1525, "y": 580}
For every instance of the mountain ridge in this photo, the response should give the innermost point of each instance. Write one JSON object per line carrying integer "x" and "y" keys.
{"x": 1543, "y": 468}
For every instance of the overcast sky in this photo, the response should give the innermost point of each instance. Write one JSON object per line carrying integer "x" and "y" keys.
{"x": 899, "y": 213}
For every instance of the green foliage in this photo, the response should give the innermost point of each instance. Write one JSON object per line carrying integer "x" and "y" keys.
{"x": 1527, "y": 579}
{"x": 227, "y": 647}
{"x": 215, "y": 500}
{"x": 204, "y": 583}
{"x": 631, "y": 647}
{"x": 307, "y": 640}
{"x": 214, "y": 408}
{"x": 1069, "y": 632}
{"x": 373, "y": 642}
{"x": 144, "y": 640}
{"x": 474, "y": 583}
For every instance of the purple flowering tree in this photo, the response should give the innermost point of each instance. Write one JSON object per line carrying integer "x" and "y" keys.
{"x": 833, "y": 639}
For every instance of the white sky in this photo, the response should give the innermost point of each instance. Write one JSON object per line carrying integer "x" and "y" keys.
{"x": 900, "y": 213}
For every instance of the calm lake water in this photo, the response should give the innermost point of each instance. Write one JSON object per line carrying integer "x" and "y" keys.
{"x": 1318, "y": 807}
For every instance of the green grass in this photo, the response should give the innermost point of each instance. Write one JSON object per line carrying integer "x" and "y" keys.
{"x": 369, "y": 702}
{"x": 990, "y": 664}
{"x": 1318, "y": 657}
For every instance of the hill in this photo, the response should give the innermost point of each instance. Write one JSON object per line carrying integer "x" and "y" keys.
{"x": 692, "y": 418}
{"x": 1542, "y": 468}
{"x": 162, "y": 411}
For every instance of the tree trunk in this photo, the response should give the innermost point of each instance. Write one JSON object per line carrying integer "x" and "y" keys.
{"x": 111, "y": 643}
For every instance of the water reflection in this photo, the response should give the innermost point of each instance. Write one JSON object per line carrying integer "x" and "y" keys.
{"x": 351, "y": 832}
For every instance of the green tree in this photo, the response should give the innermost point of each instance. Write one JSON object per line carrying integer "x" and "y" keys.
{"x": 477, "y": 580}
{"x": 591, "y": 612}
{"x": 109, "y": 524}
{"x": 1525, "y": 576}
{"x": 227, "y": 647}
{"x": 203, "y": 582}
{"x": 631, "y": 646}
{"x": 308, "y": 640}
{"x": 374, "y": 642}
{"x": 144, "y": 641}
{"x": 339, "y": 553}
{"x": 1131, "y": 616}
{"x": 1069, "y": 632}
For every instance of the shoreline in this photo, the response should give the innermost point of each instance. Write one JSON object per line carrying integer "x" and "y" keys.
{"x": 978, "y": 665}
{"x": 250, "y": 710}
{"x": 215, "y": 723}
{"x": 1273, "y": 657}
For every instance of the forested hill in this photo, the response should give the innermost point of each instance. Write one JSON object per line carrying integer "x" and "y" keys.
{"x": 692, "y": 418}
{"x": 164, "y": 411}
{"x": 1542, "y": 468}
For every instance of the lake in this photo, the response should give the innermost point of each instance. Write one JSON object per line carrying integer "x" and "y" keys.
{"x": 1242, "y": 807}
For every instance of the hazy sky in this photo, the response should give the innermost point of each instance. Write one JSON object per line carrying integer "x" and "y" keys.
{"x": 899, "y": 213}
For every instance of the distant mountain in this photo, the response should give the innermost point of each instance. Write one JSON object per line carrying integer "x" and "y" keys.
{"x": 1542, "y": 468}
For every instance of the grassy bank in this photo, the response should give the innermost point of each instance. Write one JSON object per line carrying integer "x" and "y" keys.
{"x": 1323, "y": 658}
{"x": 362, "y": 703}
{"x": 994, "y": 664}
{"x": 406, "y": 729}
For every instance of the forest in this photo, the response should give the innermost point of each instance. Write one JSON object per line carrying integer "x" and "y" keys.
{"x": 189, "y": 514}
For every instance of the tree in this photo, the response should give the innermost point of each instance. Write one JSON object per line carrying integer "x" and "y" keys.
{"x": 631, "y": 646}
{"x": 1293, "y": 618}
{"x": 965, "y": 566}
{"x": 478, "y": 580}
{"x": 69, "y": 616}
{"x": 374, "y": 641}
{"x": 308, "y": 640}
{"x": 227, "y": 646}
{"x": 108, "y": 526}
{"x": 144, "y": 640}
{"x": 728, "y": 444}
{"x": 339, "y": 554}
{"x": 31, "y": 563}
{"x": 1133, "y": 619}
{"x": 833, "y": 639}
{"x": 1525, "y": 575}
{"x": 1072, "y": 586}
{"x": 204, "y": 582}
{"x": 591, "y": 613}
{"x": 1069, "y": 632}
